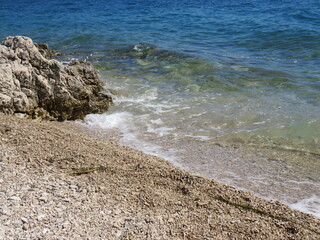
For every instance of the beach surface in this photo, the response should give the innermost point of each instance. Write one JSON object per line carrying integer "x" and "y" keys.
{"x": 59, "y": 183}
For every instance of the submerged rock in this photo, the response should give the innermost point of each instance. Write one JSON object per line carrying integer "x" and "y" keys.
{"x": 31, "y": 83}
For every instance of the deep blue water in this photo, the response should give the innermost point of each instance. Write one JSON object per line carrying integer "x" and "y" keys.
{"x": 281, "y": 29}
{"x": 245, "y": 72}
{"x": 273, "y": 35}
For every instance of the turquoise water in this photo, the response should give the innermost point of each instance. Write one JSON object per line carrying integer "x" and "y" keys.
{"x": 196, "y": 75}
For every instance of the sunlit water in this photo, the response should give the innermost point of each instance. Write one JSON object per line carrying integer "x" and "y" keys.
{"x": 226, "y": 89}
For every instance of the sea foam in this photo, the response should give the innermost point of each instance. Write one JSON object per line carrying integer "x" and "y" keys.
{"x": 309, "y": 205}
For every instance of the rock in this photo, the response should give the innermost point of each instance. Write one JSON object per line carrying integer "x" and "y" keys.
{"x": 34, "y": 85}
{"x": 117, "y": 211}
{"x": 14, "y": 198}
{"x": 66, "y": 225}
{"x": 40, "y": 217}
{"x": 46, "y": 51}
{"x": 25, "y": 226}
{"x": 24, "y": 220}
{"x": 118, "y": 234}
{"x": 2, "y": 232}
{"x": 5, "y": 211}
{"x": 17, "y": 224}
{"x": 44, "y": 198}
{"x": 73, "y": 187}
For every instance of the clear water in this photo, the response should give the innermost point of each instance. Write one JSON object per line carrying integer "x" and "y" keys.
{"x": 227, "y": 89}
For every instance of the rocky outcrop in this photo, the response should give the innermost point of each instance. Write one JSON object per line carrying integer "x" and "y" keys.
{"x": 31, "y": 83}
{"x": 46, "y": 51}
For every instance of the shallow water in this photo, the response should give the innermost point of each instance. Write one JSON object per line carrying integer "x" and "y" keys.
{"x": 229, "y": 90}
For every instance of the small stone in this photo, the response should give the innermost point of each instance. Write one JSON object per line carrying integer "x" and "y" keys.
{"x": 24, "y": 220}
{"x": 118, "y": 234}
{"x": 66, "y": 225}
{"x": 17, "y": 223}
{"x": 6, "y": 211}
{"x": 14, "y": 198}
{"x": 36, "y": 235}
{"x": 25, "y": 227}
{"x": 40, "y": 217}
{"x": 4, "y": 218}
{"x": 117, "y": 211}
{"x": 7, "y": 223}
{"x": 2, "y": 233}
{"x": 108, "y": 212}
{"x": 160, "y": 219}
{"x": 44, "y": 198}
{"x": 59, "y": 209}
{"x": 20, "y": 115}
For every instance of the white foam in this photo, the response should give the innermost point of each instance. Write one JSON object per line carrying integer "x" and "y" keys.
{"x": 196, "y": 115}
{"x": 157, "y": 121}
{"x": 131, "y": 135}
{"x": 259, "y": 123}
{"x": 160, "y": 108}
{"x": 160, "y": 131}
{"x": 117, "y": 120}
{"x": 157, "y": 127}
{"x": 309, "y": 205}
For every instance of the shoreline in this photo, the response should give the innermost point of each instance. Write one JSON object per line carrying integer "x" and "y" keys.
{"x": 108, "y": 191}
{"x": 234, "y": 165}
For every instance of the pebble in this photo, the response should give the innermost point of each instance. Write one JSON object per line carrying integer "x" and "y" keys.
{"x": 3, "y": 218}
{"x": 66, "y": 225}
{"x": 17, "y": 223}
{"x": 171, "y": 220}
{"x": 118, "y": 234}
{"x": 44, "y": 198}
{"x": 2, "y": 232}
{"x": 24, "y": 220}
{"x": 25, "y": 227}
{"x": 14, "y": 198}
{"x": 40, "y": 217}
{"x": 117, "y": 211}
{"x": 6, "y": 211}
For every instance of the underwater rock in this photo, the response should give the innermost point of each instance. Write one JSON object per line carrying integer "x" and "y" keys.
{"x": 30, "y": 83}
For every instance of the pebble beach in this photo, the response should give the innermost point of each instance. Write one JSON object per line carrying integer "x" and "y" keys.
{"x": 59, "y": 183}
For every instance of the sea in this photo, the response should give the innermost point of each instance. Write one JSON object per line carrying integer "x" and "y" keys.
{"x": 229, "y": 90}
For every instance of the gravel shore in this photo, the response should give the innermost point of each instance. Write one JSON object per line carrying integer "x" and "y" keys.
{"x": 57, "y": 183}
